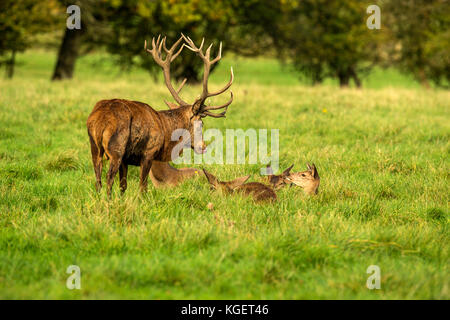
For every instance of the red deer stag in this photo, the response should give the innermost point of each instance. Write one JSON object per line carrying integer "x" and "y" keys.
{"x": 133, "y": 133}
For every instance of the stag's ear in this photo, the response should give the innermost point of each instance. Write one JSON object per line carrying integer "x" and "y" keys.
{"x": 287, "y": 171}
{"x": 211, "y": 179}
{"x": 238, "y": 182}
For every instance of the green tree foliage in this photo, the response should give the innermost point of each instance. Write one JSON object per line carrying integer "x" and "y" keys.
{"x": 322, "y": 38}
{"x": 136, "y": 20}
{"x": 19, "y": 20}
{"x": 421, "y": 31}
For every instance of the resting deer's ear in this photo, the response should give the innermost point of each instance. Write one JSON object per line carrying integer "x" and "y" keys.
{"x": 238, "y": 182}
{"x": 211, "y": 179}
{"x": 287, "y": 171}
{"x": 314, "y": 171}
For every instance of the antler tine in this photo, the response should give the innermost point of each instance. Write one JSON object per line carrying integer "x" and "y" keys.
{"x": 219, "y": 55}
{"x": 153, "y": 44}
{"x": 165, "y": 63}
{"x": 163, "y": 41}
{"x": 145, "y": 45}
{"x": 224, "y": 88}
{"x": 191, "y": 46}
{"x": 181, "y": 85}
{"x": 222, "y": 106}
{"x": 176, "y": 54}
{"x": 208, "y": 53}
{"x": 170, "y": 51}
{"x": 215, "y": 115}
{"x": 175, "y": 45}
{"x": 199, "y": 104}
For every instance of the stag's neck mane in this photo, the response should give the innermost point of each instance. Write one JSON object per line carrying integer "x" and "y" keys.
{"x": 171, "y": 120}
{"x": 176, "y": 118}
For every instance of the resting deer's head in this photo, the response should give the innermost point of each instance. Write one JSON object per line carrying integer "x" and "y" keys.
{"x": 280, "y": 180}
{"x": 193, "y": 113}
{"x": 309, "y": 180}
{"x": 224, "y": 186}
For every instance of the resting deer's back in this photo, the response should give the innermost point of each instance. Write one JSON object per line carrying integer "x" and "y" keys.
{"x": 259, "y": 191}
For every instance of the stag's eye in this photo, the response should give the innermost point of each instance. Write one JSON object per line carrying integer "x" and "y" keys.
{"x": 303, "y": 175}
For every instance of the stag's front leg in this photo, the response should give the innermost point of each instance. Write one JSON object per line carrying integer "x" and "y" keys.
{"x": 146, "y": 165}
{"x": 123, "y": 171}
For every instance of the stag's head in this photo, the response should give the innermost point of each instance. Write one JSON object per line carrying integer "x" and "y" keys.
{"x": 196, "y": 111}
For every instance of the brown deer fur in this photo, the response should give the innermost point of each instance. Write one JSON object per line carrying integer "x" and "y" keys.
{"x": 278, "y": 181}
{"x": 163, "y": 174}
{"x": 259, "y": 192}
{"x": 308, "y": 180}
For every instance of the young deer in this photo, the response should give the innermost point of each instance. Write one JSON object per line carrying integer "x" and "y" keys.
{"x": 309, "y": 180}
{"x": 133, "y": 133}
{"x": 163, "y": 174}
{"x": 259, "y": 192}
{"x": 278, "y": 181}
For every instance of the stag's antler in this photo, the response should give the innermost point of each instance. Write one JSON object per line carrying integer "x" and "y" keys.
{"x": 165, "y": 64}
{"x": 199, "y": 106}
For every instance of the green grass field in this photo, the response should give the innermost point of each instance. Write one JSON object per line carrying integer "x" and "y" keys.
{"x": 382, "y": 154}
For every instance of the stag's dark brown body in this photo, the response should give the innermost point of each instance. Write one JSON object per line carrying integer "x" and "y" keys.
{"x": 132, "y": 133}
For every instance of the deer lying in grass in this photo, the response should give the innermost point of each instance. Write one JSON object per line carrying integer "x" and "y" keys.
{"x": 133, "y": 133}
{"x": 259, "y": 192}
{"x": 308, "y": 180}
{"x": 163, "y": 174}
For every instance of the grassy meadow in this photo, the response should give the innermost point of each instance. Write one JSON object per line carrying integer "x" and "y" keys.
{"x": 382, "y": 154}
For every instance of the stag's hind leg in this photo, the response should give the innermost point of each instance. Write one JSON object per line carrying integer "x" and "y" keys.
{"x": 115, "y": 150}
{"x": 97, "y": 156}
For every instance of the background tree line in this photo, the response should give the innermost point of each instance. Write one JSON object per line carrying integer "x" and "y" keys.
{"x": 319, "y": 38}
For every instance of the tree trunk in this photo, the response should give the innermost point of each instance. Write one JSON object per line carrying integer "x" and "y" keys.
{"x": 10, "y": 65}
{"x": 344, "y": 79}
{"x": 317, "y": 78}
{"x": 423, "y": 79}
{"x": 355, "y": 78}
{"x": 68, "y": 54}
